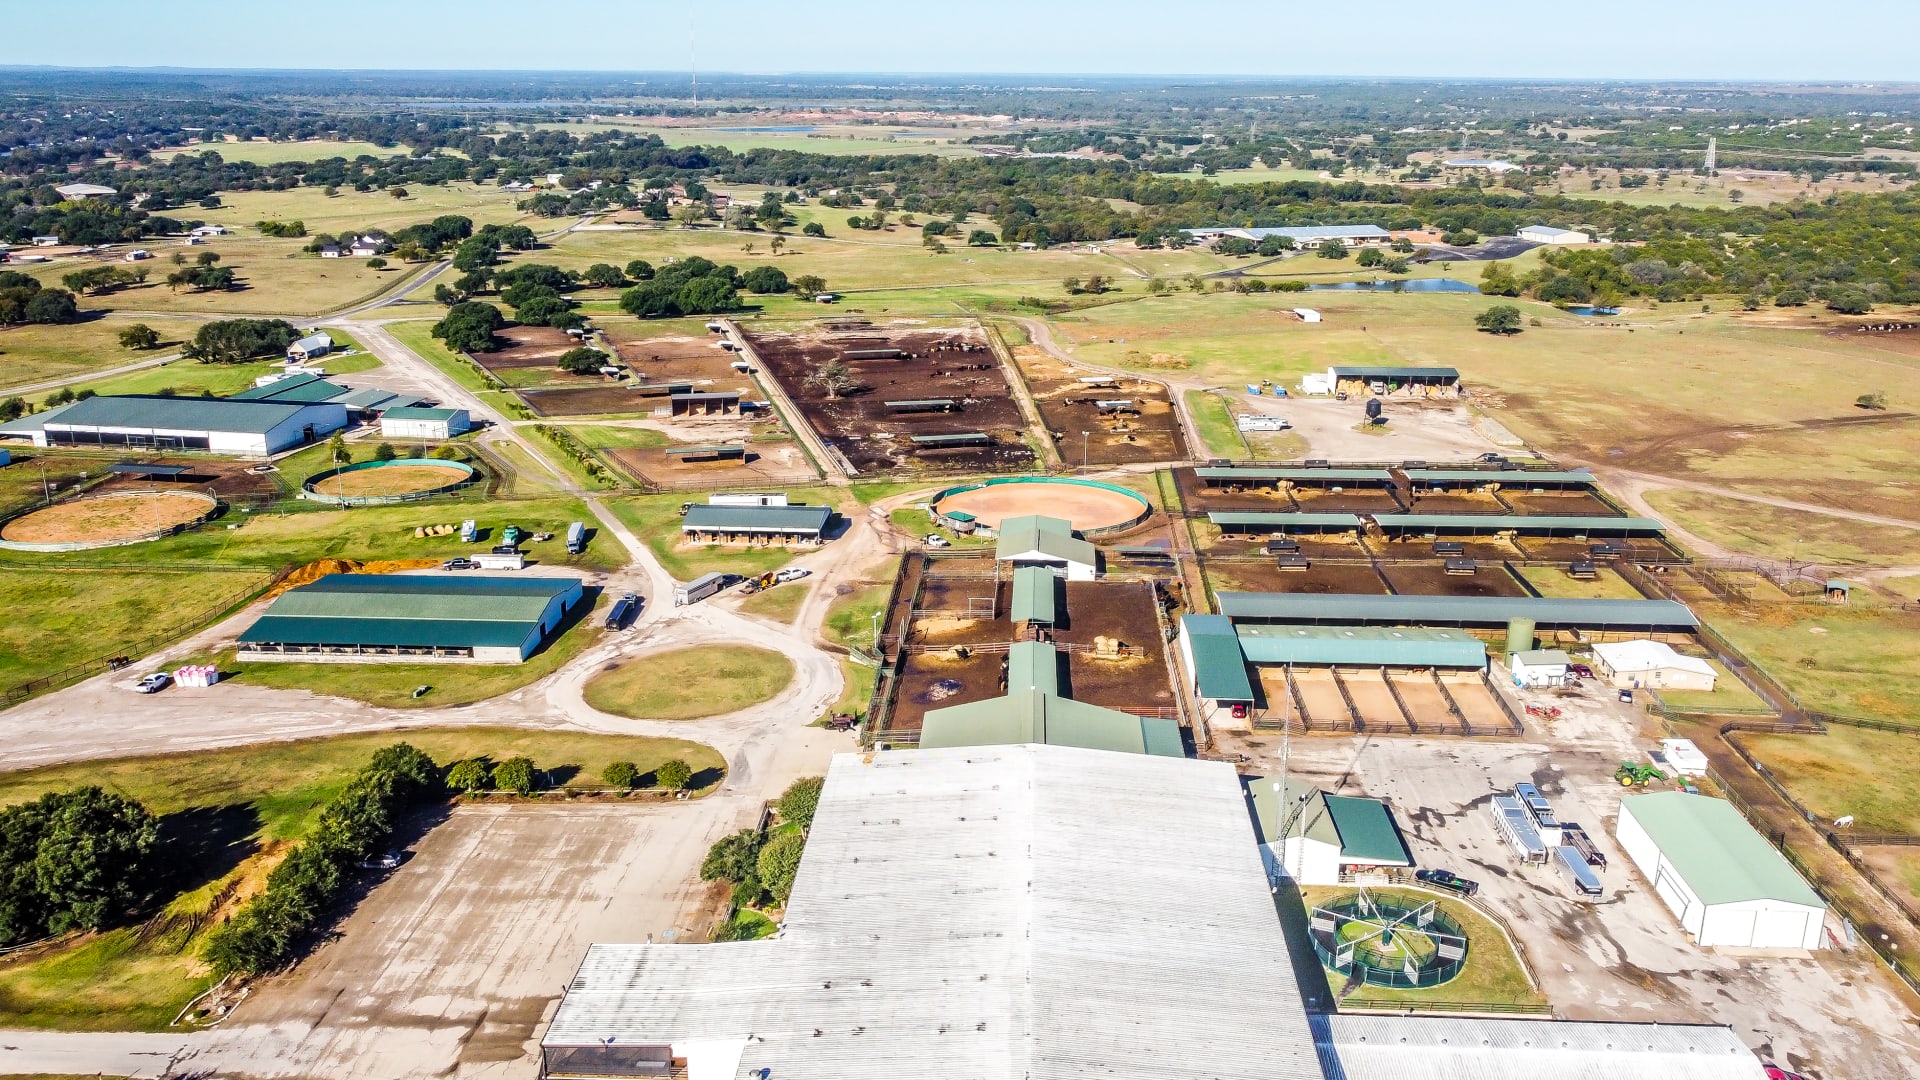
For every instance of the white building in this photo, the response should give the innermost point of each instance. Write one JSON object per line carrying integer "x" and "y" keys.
{"x": 209, "y": 230}
{"x": 1303, "y": 236}
{"x": 1724, "y": 882}
{"x": 310, "y": 347}
{"x": 1538, "y": 668}
{"x": 216, "y": 425}
{"x": 1630, "y": 665}
{"x": 1492, "y": 165}
{"x": 85, "y": 191}
{"x": 1306, "y": 314}
{"x": 137, "y": 255}
{"x": 1547, "y": 234}
{"x": 407, "y": 422}
{"x": 1034, "y": 540}
{"x": 1309, "y": 837}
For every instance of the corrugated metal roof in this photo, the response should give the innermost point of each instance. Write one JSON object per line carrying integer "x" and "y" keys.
{"x": 443, "y": 633}
{"x": 1353, "y": 1047}
{"x": 372, "y": 397}
{"x": 402, "y": 609}
{"x": 1033, "y": 665}
{"x": 311, "y": 342}
{"x": 1503, "y": 477}
{"x": 747, "y": 518}
{"x": 1525, "y": 523}
{"x": 297, "y": 389}
{"x": 989, "y": 912}
{"x": 1716, "y": 852}
{"x": 1543, "y": 658}
{"x": 1290, "y": 473}
{"x": 178, "y": 414}
{"x": 1369, "y": 646}
{"x": 1289, "y": 808}
{"x": 1052, "y": 537}
{"x": 1367, "y": 830}
{"x": 1393, "y": 372}
{"x": 411, "y": 412}
{"x": 1643, "y": 655}
{"x": 1033, "y": 594}
{"x": 960, "y": 437}
{"x": 1304, "y": 232}
{"x": 1547, "y": 612}
{"x": 1280, "y": 519}
{"x": 30, "y": 424}
{"x": 1219, "y": 667}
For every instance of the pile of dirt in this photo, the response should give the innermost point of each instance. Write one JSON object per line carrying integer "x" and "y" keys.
{"x": 320, "y": 568}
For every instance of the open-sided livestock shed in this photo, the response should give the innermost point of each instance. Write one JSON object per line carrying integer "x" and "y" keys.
{"x": 710, "y": 522}
{"x": 409, "y": 618}
{"x": 1485, "y": 612}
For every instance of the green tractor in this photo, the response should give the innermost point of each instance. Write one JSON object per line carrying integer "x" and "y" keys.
{"x": 1632, "y": 773}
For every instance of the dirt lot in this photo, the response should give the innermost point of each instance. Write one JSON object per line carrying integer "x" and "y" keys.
{"x": 1263, "y": 574}
{"x": 679, "y": 358}
{"x": 1353, "y": 500}
{"x": 1373, "y": 701}
{"x": 772, "y": 462}
{"x": 391, "y": 480}
{"x": 106, "y": 517}
{"x": 1431, "y": 579}
{"x": 941, "y": 362}
{"x": 1458, "y": 502}
{"x": 1125, "y": 610}
{"x": 1066, "y": 406}
{"x": 526, "y": 347}
{"x": 1420, "y": 549}
{"x": 1568, "y": 504}
{"x": 1828, "y": 1014}
{"x": 1477, "y": 702}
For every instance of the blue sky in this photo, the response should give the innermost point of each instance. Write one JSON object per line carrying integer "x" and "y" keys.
{"x": 1848, "y": 40}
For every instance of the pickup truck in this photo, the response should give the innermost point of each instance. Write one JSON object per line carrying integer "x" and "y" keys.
{"x": 1447, "y": 879}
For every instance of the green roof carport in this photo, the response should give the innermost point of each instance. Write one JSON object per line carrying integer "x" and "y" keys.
{"x": 1719, "y": 855}
{"x": 1033, "y": 665}
{"x": 1518, "y": 478}
{"x": 1219, "y": 667}
{"x": 1363, "y": 646}
{"x": 1530, "y": 524}
{"x": 1549, "y": 613}
{"x": 1281, "y": 520}
{"x": 1296, "y": 474}
{"x": 1034, "y": 590}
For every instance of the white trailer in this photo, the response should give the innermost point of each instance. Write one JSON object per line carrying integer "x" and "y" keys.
{"x": 698, "y": 589}
{"x": 499, "y": 560}
{"x": 775, "y": 499}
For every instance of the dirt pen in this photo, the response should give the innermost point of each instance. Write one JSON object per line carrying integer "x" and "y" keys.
{"x": 893, "y": 373}
{"x": 1127, "y": 419}
{"x": 120, "y": 517}
{"x": 373, "y": 482}
{"x": 1093, "y": 507}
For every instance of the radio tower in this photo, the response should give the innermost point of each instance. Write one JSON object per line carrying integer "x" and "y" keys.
{"x": 1713, "y": 153}
{"x": 693, "y": 68}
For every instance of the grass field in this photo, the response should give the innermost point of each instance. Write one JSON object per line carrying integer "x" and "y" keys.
{"x": 1215, "y": 421}
{"x": 274, "y": 275}
{"x": 263, "y": 152}
{"x": 656, "y": 519}
{"x": 840, "y": 140}
{"x": 189, "y": 378}
{"x": 353, "y": 211}
{"x": 240, "y": 809}
{"x": 1860, "y": 662}
{"x": 1493, "y": 972}
{"x": 23, "y": 483}
{"x": 685, "y": 684}
{"x": 1875, "y": 776}
{"x": 1756, "y": 529}
{"x": 58, "y": 618}
{"x": 1728, "y": 692}
{"x": 780, "y": 603}
{"x": 1554, "y": 581}
{"x": 31, "y": 354}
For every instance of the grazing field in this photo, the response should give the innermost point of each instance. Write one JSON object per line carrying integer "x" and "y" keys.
{"x": 1555, "y": 581}
{"x": 33, "y": 353}
{"x": 62, "y": 617}
{"x": 354, "y": 211}
{"x": 274, "y": 275}
{"x": 1852, "y": 661}
{"x": 1873, "y": 775}
{"x": 830, "y": 139}
{"x": 233, "y": 814}
{"x": 264, "y": 152}
{"x": 1755, "y": 529}
{"x": 23, "y": 484}
{"x": 686, "y": 684}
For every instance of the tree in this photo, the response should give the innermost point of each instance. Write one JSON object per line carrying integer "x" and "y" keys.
{"x": 72, "y": 860}
{"x": 1498, "y": 280}
{"x": 376, "y": 263}
{"x": 779, "y": 864}
{"x": 1875, "y": 400}
{"x": 231, "y": 341}
{"x": 385, "y": 452}
{"x": 1272, "y": 245}
{"x": 732, "y": 858}
{"x": 765, "y": 280}
{"x": 604, "y": 276}
{"x": 1396, "y": 265}
{"x": 835, "y": 377}
{"x": 813, "y": 228}
{"x": 1235, "y": 245}
{"x": 337, "y": 451}
{"x": 639, "y": 270}
{"x": 808, "y": 286}
{"x": 802, "y": 797}
{"x": 981, "y": 238}
{"x": 1156, "y": 286}
{"x": 1097, "y": 284}
{"x": 674, "y": 775}
{"x": 690, "y": 215}
{"x": 621, "y": 774}
{"x": 1499, "y": 319}
{"x": 469, "y": 776}
{"x": 581, "y": 361}
{"x": 516, "y": 774}
{"x": 1072, "y": 285}
{"x": 469, "y": 326}
{"x": 1332, "y": 249}
{"x": 139, "y": 336}
{"x": 1849, "y": 301}
{"x": 778, "y": 243}
{"x": 13, "y": 408}
{"x": 447, "y": 295}
{"x": 1369, "y": 257}
{"x": 1792, "y": 296}
{"x": 397, "y": 191}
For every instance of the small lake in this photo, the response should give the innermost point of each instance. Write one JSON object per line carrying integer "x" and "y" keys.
{"x": 1588, "y": 311}
{"x": 1448, "y": 285}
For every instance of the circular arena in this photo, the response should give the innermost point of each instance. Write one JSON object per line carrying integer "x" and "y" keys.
{"x": 1395, "y": 940}
{"x": 109, "y": 520}
{"x": 371, "y": 483}
{"x": 1093, "y": 507}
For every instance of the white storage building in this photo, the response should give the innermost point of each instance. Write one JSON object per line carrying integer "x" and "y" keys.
{"x": 216, "y": 425}
{"x": 1538, "y": 668}
{"x": 1725, "y": 883}
{"x": 1630, "y": 665}
{"x": 1547, "y": 234}
{"x": 407, "y": 422}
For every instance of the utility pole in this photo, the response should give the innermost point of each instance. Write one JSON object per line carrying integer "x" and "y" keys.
{"x": 1086, "y": 437}
{"x": 1713, "y": 154}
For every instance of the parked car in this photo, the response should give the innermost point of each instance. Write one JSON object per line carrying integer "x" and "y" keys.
{"x": 1447, "y": 879}
{"x": 623, "y": 611}
{"x": 155, "y": 683}
{"x": 792, "y": 573}
{"x": 1581, "y": 670}
{"x": 458, "y": 564}
{"x": 1239, "y": 710}
{"x": 380, "y": 862}
{"x": 935, "y": 540}
{"x": 1775, "y": 1072}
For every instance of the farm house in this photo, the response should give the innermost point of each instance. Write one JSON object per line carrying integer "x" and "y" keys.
{"x": 404, "y": 618}
{"x": 1724, "y": 882}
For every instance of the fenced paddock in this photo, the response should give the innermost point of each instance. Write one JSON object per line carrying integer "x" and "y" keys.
{"x": 375, "y": 483}
{"x": 107, "y": 520}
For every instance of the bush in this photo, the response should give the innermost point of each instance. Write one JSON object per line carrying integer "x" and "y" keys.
{"x": 779, "y": 864}
{"x": 1791, "y": 297}
{"x": 385, "y": 452}
{"x": 813, "y": 228}
{"x": 621, "y": 774}
{"x": 469, "y": 776}
{"x": 802, "y": 797}
{"x": 674, "y": 775}
{"x": 732, "y": 858}
{"x": 72, "y": 860}
{"x": 515, "y": 775}
{"x": 581, "y": 361}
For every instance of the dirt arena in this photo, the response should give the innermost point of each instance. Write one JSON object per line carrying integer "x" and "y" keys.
{"x": 1067, "y": 407}
{"x": 769, "y": 462}
{"x": 1086, "y": 507}
{"x": 120, "y": 516}
{"x": 527, "y": 347}
{"x": 390, "y": 480}
{"x": 937, "y": 362}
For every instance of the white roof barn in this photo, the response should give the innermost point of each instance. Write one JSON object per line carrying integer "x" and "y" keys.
{"x": 1548, "y": 234}
{"x": 84, "y": 191}
{"x": 1653, "y": 664}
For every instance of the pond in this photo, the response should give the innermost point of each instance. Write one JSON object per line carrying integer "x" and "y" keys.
{"x": 1589, "y": 311}
{"x": 1448, "y": 285}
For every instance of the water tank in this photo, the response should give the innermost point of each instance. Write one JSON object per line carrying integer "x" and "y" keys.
{"x": 1519, "y": 635}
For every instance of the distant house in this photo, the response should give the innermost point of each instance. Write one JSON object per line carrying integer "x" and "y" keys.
{"x": 310, "y": 347}
{"x": 1547, "y": 234}
{"x": 1304, "y": 236}
{"x": 137, "y": 255}
{"x": 1492, "y": 165}
{"x": 330, "y": 251}
{"x": 516, "y": 185}
{"x": 85, "y": 191}
{"x": 368, "y": 246}
{"x": 46, "y": 241}
{"x": 209, "y": 230}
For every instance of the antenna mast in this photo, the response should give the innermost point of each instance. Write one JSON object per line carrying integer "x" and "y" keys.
{"x": 693, "y": 63}
{"x": 1713, "y": 154}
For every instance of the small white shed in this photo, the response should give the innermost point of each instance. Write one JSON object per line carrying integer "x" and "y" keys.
{"x": 1537, "y": 668}
{"x": 407, "y": 422}
{"x": 1725, "y": 883}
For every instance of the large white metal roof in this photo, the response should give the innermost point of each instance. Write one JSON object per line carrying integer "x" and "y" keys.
{"x": 1446, "y": 1048}
{"x": 987, "y": 912}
